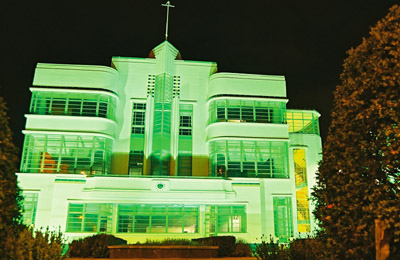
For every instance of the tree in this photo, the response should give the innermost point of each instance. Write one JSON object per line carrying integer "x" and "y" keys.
{"x": 358, "y": 179}
{"x": 29, "y": 244}
{"x": 10, "y": 198}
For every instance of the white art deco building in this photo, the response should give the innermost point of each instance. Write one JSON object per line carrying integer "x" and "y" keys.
{"x": 162, "y": 147}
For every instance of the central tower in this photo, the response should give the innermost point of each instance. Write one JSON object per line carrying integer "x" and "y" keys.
{"x": 160, "y": 155}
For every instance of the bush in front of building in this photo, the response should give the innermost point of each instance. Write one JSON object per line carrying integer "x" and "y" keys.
{"x": 226, "y": 244}
{"x": 242, "y": 249}
{"x": 309, "y": 248}
{"x": 94, "y": 246}
{"x": 27, "y": 243}
{"x": 271, "y": 250}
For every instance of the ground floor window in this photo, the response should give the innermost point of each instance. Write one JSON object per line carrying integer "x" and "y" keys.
{"x": 283, "y": 221}
{"x": 230, "y": 219}
{"x": 156, "y": 218}
{"x": 89, "y": 217}
{"x": 30, "y": 206}
{"x": 139, "y": 218}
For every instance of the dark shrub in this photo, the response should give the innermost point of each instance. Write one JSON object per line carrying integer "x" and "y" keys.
{"x": 271, "y": 250}
{"x": 94, "y": 246}
{"x": 306, "y": 249}
{"x": 226, "y": 244}
{"x": 242, "y": 249}
{"x": 27, "y": 243}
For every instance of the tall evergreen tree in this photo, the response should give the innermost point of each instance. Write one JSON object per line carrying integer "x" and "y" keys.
{"x": 358, "y": 180}
{"x": 10, "y": 197}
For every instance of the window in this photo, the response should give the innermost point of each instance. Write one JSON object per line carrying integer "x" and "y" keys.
{"x": 235, "y": 110}
{"x": 136, "y": 154}
{"x": 144, "y": 218}
{"x": 233, "y": 113}
{"x": 73, "y": 104}
{"x": 185, "y": 125}
{"x": 89, "y": 107}
{"x": 184, "y": 164}
{"x": 185, "y": 119}
{"x": 139, "y": 116}
{"x": 300, "y": 172}
{"x": 240, "y": 158}
{"x": 30, "y": 206}
{"x": 221, "y": 116}
{"x": 226, "y": 219}
{"x": 305, "y": 122}
{"x": 57, "y": 106}
{"x": 89, "y": 217}
{"x": 263, "y": 115}
{"x": 136, "y": 162}
{"x": 48, "y": 153}
{"x": 248, "y": 114}
{"x": 184, "y": 158}
{"x": 283, "y": 223}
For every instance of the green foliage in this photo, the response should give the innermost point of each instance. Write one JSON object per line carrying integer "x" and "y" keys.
{"x": 10, "y": 198}
{"x": 30, "y": 245}
{"x": 358, "y": 180}
{"x": 94, "y": 246}
{"x": 271, "y": 250}
{"x": 226, "y": 244}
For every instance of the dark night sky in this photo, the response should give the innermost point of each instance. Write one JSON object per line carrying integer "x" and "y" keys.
{"x": 306, "y": 41}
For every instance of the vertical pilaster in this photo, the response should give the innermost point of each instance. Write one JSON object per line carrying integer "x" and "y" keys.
{"x": 161, "y": 149}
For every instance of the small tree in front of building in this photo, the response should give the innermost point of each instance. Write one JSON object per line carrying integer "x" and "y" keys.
{"x": 18, "y": 242}
{"x": 10, "y": 198}
{"x": 358, "y": 180}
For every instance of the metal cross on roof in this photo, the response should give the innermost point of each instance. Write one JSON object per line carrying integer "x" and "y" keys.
{"x": 168, "y": 5}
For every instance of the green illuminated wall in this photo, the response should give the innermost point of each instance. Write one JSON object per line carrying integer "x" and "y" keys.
{"x": 161, "y": 150}
{"x": 161, "y": 147}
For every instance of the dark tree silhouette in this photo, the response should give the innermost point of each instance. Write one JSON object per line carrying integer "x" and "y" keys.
{"x": 358, "y": 180}
{"x": 10, "y": 198}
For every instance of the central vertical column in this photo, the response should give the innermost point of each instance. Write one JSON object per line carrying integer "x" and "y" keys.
{"x": 165, "y": 55}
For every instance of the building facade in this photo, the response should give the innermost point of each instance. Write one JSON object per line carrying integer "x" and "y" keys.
{"x": 161, "y": 147}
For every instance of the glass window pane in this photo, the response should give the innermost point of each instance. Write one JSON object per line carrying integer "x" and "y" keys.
{"x": 247, "y": 114}
{"x": 233, "y": 113}
{"x": 175, "y": 224}
{"x": 221, "y": 114}
{"x": 142, "y": 224}
{"x": 30, "y": 206}
{"x": 73, "y": 104}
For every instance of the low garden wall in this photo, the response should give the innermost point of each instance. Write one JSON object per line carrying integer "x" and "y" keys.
{"x": 158, "y": 251}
